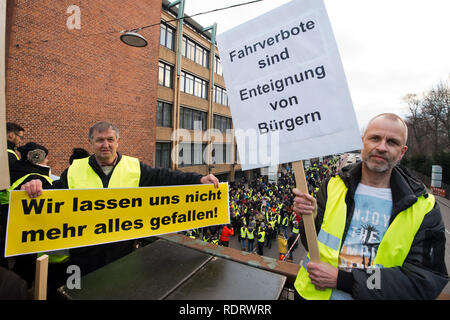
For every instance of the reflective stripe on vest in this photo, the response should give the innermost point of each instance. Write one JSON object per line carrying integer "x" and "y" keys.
{"x": 272, "y": 224}
{"x": 126, "y": 174}
{"x": 14, "y": 153}
{"x": 4, "y": 196}
{"x": 394, "y": 246}
{"x": 58, "y": 256}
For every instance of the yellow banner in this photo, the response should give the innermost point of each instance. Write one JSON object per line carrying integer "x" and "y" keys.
{"x": 62, "y": 219}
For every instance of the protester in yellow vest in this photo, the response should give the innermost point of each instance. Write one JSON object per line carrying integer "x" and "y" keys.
{"x": 261, "y": 239}
{"x": 243, "y": 236}
{"x": 14, "y": 137}
{"x": 380, "y": 234}
{"x": 32, "y": 165}
{"x": 107, "y": 168}
{"x": 250, "y": 239}
{"x": 285, "y": 224}
{"x": 190, "y": 234}
{"x": 282, "y": 246}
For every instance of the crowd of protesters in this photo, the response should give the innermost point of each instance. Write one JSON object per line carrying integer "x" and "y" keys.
{"x": 261, "y": 211}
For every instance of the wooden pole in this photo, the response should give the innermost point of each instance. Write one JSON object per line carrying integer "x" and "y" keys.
{"x": 4, "y": 166}
{"x": 308, "y": 220}
{"x": 40, "y": 281}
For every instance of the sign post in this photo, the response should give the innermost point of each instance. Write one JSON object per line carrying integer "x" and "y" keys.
{"x": 40, "y": 282}
{"x": 308, "y": 220}
{"x": 288, "y": 93}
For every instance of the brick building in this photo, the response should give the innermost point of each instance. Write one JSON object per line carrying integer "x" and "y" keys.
{"x": 67, "y": 69}
{"x": 61, "y": 80}
{"x": 192, "y": 100}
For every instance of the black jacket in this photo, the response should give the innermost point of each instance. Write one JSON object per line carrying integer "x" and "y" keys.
{"x": 23, "y": 167}
{"x": 93, "y": 257}
{"x": 423, "y": 274}
{"x": 11, "y": 158}
{"x": 12, "y": 287}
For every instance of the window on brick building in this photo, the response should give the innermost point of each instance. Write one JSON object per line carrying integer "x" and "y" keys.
{"x": 162, "y": 157}
{"x": 164, "y": 114}
{"x": 191, "y": 154}
{"x": 220, "y": 95}
{"x": 195, "y": 52}
{"x": 218, "y": 66}
{"x": 221, "y": 153}
{"x": 221, "y": 123}
{"x": 193, "y": 119}
{"x": 165, "y": 75}
{"x": 167, "y": 38}
{"x": 193, "y": 85}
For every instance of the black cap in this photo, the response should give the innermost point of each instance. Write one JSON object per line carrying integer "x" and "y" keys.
{"x": 31, "y": 146}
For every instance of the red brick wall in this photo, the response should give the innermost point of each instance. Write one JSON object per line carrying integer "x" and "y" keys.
{"x": 61, "y": 81}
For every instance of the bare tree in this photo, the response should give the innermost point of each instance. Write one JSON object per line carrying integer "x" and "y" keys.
{"x": 429, "y": 120}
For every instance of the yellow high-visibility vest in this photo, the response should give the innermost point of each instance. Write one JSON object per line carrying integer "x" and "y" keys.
{"x": 243, "y": 232}
{"x": 80, "y": 175}
{"x": 126, "y": 174}
{"x": 4, "y": 196}
{"x": 263, "y": 235}
{"x": 393, "y": 249}
{"x": 285, "y": 221}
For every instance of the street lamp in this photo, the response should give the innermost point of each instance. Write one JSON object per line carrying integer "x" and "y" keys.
{"x": 134, "y": 39}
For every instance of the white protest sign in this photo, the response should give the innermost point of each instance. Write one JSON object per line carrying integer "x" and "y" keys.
{"x": 287, "y": 89}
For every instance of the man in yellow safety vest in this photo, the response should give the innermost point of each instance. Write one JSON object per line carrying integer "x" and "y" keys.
{"x": 32, "y": 165}
{"x": 107, "y": 168}
{"x": 380, "y": 233}
{"x": 243, "y": 236}
{"x": 14, "y": 137}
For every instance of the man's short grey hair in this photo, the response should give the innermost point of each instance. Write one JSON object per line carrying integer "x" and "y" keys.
{"x": 103, "y": 126}
{"x": 393, "y": 117}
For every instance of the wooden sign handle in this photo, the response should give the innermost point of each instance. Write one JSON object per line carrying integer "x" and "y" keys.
{"x": 308, "y": 220}
{"x": 40, "y": 281}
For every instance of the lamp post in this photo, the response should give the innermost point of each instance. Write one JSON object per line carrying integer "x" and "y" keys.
{"x": 180, "y": 17}
{"x": 176, "y": 104}
{"x": 134, "y": 39}
{"x": 213, "y": 29}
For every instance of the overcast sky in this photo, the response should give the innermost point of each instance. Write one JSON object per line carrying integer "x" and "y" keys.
{"x": 389, "y": 48}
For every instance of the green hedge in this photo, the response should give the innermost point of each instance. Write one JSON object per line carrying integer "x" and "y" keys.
{"x": 422, "y": 163}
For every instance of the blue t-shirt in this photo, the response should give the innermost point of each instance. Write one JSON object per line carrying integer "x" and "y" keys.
{"x": 373, "y": 209}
